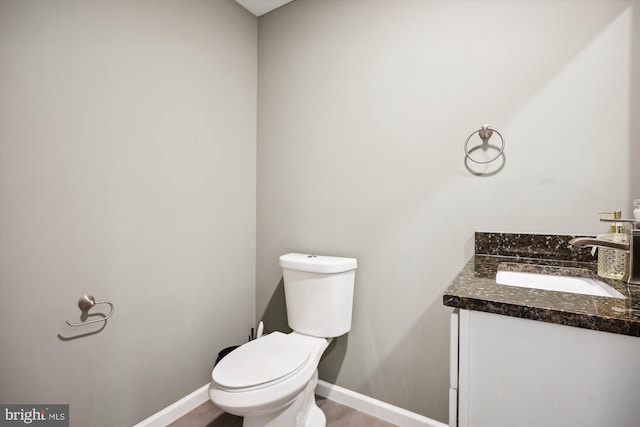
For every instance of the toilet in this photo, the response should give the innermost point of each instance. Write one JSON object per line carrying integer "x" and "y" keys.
{"x": 270, "y": 381}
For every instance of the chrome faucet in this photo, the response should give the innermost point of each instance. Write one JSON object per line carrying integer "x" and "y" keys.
{"x": 633, "y": 247}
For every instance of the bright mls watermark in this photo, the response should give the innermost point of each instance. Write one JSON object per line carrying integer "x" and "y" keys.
{"x": 34, "y": 415}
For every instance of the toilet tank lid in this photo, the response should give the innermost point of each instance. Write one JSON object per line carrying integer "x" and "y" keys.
{"x": 317, "y": 263}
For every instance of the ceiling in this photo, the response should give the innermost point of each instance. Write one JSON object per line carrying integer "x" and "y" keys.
{"x": 260, "y": 7}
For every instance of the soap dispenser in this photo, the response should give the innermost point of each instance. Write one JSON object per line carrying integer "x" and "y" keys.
{"x": 613, "y": 263}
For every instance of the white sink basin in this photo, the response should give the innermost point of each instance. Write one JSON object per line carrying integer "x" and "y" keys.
{"x": 576, "y": 285}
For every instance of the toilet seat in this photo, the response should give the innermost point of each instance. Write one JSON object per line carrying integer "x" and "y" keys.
{"x": 261, "y": 363}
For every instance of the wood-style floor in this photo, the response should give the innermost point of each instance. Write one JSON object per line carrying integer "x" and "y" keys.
{"x": 208, "y": 415}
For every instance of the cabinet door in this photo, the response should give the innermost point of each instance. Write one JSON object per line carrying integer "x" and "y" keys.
{"x": 453, "y": 370}
{"x": 522, "y": 373}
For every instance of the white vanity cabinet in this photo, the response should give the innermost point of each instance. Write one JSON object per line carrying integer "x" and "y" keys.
{"x": 512, "y": 372}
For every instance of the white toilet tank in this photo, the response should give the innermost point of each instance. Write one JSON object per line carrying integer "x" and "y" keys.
{"x": 319, "y": 293}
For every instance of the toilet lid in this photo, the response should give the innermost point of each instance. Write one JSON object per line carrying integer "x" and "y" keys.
{"x": 270, "y": 358}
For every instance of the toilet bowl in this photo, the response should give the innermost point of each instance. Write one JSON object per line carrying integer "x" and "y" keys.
{"x": 270, "y": 381}
{"x": 261, "y": 378}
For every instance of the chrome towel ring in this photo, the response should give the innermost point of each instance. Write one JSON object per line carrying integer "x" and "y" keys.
{"x": 484, "y": 133}
{"x": 87, "y": 302}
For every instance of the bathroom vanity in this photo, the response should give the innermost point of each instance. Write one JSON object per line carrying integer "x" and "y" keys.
{"x": 533, "y": 357}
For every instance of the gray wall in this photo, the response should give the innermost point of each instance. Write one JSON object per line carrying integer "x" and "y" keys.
{"x": 364, "y": 107}
{"x": 635, "y": 104}
{"x": 127, "y": 171}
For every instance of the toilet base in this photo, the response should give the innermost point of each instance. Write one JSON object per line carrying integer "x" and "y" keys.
{"x": 316, "y": 418}
{"x": 302, "y": 411}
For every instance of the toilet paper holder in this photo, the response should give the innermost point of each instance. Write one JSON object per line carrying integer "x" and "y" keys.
{"x": 86, "y": 303}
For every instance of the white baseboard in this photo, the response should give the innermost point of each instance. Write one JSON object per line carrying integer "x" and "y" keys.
{"x": 368, "y": 405}
{"x": 377, "y": 408}
{"x": 177, "y": 409}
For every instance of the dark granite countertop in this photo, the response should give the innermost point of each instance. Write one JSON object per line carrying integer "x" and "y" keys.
{"x": 475, "y": 287}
